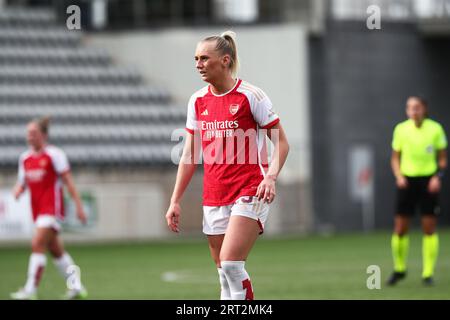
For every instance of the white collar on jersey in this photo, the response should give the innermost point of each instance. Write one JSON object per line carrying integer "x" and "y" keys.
{"x": 223, "y": 94}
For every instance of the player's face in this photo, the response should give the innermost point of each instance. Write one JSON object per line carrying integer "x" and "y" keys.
{"x": 35, "y": 137}
{"x": 415, "y": 110}
{"x": 208, "y": 62}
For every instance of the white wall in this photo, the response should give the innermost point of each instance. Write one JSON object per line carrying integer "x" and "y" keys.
{"x": 272, "y": 57}
{"x": 129, "y": 205}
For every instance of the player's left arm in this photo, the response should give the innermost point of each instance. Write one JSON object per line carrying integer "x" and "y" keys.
{"x": 68, "y": 181}
{"x": 434, "y": 185}
{"x": 436, "y": 181}
{"x": 442, "y": 159}
{"x": 266, "y": 189}
{"x": 20, "y": 186}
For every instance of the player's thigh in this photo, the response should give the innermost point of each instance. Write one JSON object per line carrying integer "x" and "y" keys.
{"x": 41, "y": 239}
{"x": 239, "y": 239}
{"x": 429, "y": 201}
{"x": 215, "y": 245}
{"x": 406, "y": 199}
{"x": 215, "y": 220}
{"x": 55, "y": 245}
{"x": 401, "y": 224}
{"x": 429, "y": 223}
{"x": 429, "y": 207}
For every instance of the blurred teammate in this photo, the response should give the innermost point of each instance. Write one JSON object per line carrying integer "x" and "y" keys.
{"x": 418, "y": 161}
{"x": 238, "y": 183}
{"x": 42, "y": 169}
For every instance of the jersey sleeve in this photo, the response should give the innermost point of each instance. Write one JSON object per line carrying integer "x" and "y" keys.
{"x": 396, "y": 140}
{"x": 441, "y": 139}
{"x": 60, "y": 161}
{"x": 21, "y": 172}
{"x": 262, "y": 111}
{"x": 191, "y": 119}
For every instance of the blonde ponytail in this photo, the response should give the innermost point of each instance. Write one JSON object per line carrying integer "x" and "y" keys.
{"x": 226, "y": 44}
{"x": 43, "y": 124}
{"x": 230, "y": 37}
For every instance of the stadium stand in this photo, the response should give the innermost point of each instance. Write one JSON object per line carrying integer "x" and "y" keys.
{"x": 102, "y": 114}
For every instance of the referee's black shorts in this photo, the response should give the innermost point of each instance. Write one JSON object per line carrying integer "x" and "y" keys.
{"x": 417, "y": 197}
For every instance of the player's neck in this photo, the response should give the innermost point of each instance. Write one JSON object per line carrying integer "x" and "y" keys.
{"x": 39, "y": 149}
{"x": 418, "y": 123}
{"x": 223, "y": 86}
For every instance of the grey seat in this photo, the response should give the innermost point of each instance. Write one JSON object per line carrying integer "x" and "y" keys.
{"x": 101, "y": 114}
{"x": 41, "y": 56}
{"x": 19, "y": 17}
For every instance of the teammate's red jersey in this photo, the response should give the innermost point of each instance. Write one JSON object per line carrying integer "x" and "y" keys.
{"x": 234, "y": 147}
{"x": 40, "y": 172}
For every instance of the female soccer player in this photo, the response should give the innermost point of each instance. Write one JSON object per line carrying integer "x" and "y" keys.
{"x": 42, "y": 169}
{"x": 418, "y": 161}
{"x": 231, "y": 119}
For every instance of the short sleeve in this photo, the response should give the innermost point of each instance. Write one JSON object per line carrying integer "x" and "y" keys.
{"x": 21, "y": 172}
{"x": 263, "y": 112}
{"x": 396, "y": 140}
{"x": 60, "y": 161}
{"x": 191, "y": 119}
{"x": 441, "y": 139}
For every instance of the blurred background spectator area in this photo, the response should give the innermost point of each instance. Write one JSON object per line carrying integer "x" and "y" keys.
{"x": 117, "y": 92}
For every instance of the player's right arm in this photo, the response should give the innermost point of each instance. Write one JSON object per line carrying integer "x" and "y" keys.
{"x": 396, "y": 158}
{"x": 19, "y": 188}
{"x": 395, "y": 164}
{"x": 186, "y": 169}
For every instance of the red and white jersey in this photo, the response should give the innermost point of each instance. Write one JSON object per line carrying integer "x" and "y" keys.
{"x": 234, "y": 146}
{"x": 41, "y": 172}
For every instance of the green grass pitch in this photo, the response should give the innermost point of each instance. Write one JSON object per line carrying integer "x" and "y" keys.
{"x": 310, "y": 267}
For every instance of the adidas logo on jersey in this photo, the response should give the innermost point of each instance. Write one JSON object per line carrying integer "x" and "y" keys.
{"x": 205, "y": 113}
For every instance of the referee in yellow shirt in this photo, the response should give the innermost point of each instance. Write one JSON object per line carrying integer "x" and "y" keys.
{"x": 418, "y": 161}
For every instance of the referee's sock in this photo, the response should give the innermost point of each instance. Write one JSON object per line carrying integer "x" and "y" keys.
{"x": 430, "y": 249}
{"x": 400, "y": 248}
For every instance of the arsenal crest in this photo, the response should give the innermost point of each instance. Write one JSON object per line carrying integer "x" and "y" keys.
{"x": 43, "y": 162}
{"x": 234, "y": 108}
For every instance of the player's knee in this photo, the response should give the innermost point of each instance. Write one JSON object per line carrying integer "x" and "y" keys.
{"x": 56, "y": 253}
{"x": 37, "y": 245}
{"x": 233, "y": 268}
{"x": 230, "y": 255}
{"x": 428, "y": 230}
{"x": 401, "y": 231}
{"x": 428, "y": 225}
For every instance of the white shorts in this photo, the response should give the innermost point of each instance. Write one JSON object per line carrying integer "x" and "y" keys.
{"x": 215, "y": 219}
{"x": 48, "y": 221}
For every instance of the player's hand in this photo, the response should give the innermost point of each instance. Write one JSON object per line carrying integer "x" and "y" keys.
{"x": 434, "y": 186}
{"x": 173, "y": 217}
{"x": 18, "y": 190}
{"x": 402, "y": 182}
{"x": 81, "y": 215}
{"x": 266, "y": 189}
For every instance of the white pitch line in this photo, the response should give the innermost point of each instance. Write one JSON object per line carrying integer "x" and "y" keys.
{"x": 188, "y": 276}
